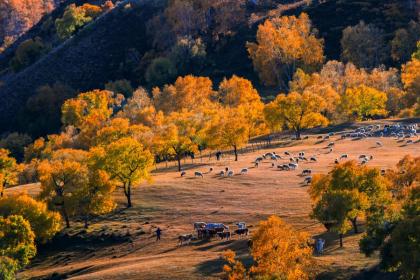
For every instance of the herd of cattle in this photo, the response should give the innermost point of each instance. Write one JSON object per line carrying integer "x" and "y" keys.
{"x": 208, "y": 231}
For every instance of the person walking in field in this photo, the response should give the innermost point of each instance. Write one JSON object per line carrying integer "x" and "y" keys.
{"x": 158, "y": 233}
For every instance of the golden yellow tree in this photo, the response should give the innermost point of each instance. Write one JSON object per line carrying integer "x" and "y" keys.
{"x": 239, "y": 93}
{"x": 280, "y": 251}
{"x": 410, "y": 76}
{"x": 363, "y": 102}
{"x": 61, "y": 177}
{"x": 229, "y": 129}
{"x": 44, "y": 223}
{"x": 9, "y": 170}
{"x": 126, "y": 161}
{"x": 297, "y": 111}
{"x": 283, "y": 44}
{"x": 187, "y": 92}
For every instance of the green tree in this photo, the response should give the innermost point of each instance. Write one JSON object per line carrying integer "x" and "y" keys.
{"x": 17, "y": 246}
{"x": 126, "y": 161}
{"x": 27, "y": 53}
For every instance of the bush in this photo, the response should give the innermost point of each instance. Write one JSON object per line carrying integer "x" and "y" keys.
{"x": 27, "y": 53}
{"x": 160, "y": 71}
{"x": 44, "y": 223}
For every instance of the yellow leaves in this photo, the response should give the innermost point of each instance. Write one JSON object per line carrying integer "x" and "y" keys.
{"x": 44, "y": 223}
{"x": 410, "y": 75}
{"x": 363, "y": 102}
{"x": 9, "y": 170}
{"x": 189, "y": 92}
{"x": 279, "y": 250}
{"x": 284, "y": 40}
{"x": 296, "y": 111}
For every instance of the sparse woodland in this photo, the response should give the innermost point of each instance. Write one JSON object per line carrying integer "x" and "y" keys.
{"x": 168, "y": 106}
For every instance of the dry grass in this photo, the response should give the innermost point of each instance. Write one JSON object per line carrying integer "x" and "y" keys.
{"x": 174, "y": 203}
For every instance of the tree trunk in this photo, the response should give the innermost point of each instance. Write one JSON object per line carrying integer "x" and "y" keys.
{"x": 298, "y": 134}
{"x": 235, "y": 150}
{"x": 354, "y": 223}
{"x": 86, "y": 221}
{"x": 341, "y": 240}
{"x": 128, "y": 195}
{"x": 178, "y": 158}
{"x": 65, "y": 215}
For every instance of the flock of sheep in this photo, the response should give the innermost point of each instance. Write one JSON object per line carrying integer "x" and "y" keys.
{"x": 401, "y": 132}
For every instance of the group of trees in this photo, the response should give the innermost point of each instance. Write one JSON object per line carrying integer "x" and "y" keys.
{"x": 24, "y": 223}
{"x": 388, "y": 203}
{"x": 278, "y": 251}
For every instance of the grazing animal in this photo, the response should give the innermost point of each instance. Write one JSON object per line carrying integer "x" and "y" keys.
{"x": 242, "y": 231}
{"x": 273, "y": 157}
{"x": 184, "y": 239}
{"x": 259, "y": 159}
{"x": 306, "y": 172}
{"x": 319, "y": 137}
{"x": 183, "y": 173}
{"x": 379, "y": 144}
{"x": 344, "y": 156}
{"x": 222, "y": 173}
{"x": 331, "y": 144}
{"x": 362, "y": 156}
{"x": 287, "y": 153}
{"x": 313, "y": 159}
{"x": 308, "y": 180}
{"x": 409, "y": 142}
{"x": 224, "y": 235}
{"x": 230, "y": 173}
{"x": 293, "y": 166}
{"x": 198, "y": 174}
{"x": 244, "y": 171}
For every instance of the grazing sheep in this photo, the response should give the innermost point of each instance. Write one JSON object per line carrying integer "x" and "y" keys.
{"x": 222, "y": 173}
{"x": 379, "y": 144}
{"x": 364, "y": 162}
{"x": 409, "y": 142}
{"x": 287, "y": 153}
{"x": 344, "y": 156}
{"x": 198, "y": 174}
{"x": 313, "y": 159}
{"x": 183, "y": 173}
{"x": 244, "y": 171}
{"x": 273, "y": 157}
{"x": 259, "y": 159}
{"x": 331, "y": 144}
{"x": 306, "y": 172}
{"x": 308, "y": 180}
{"x": 326, "y": 137}
{"x": 277, "y": 156}
{"x": 319, "y": 137}
{"x": 230, "y": 173}
{"x": 283, "y": 167}
{"x": 362, "y": 156}
{"x": 293, "y": 166}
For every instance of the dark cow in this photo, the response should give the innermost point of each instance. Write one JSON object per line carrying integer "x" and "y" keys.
{"x": 224, "y": 235}
{"x": 242, "y": 231}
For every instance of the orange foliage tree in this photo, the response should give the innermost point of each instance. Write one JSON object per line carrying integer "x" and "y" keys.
{"x": 283, "y": 44}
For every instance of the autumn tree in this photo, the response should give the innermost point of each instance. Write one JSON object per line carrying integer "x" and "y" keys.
{"x": 44, "y": 223}
{"x": 177, "y": 133}
{"x": 404, "y": 42}
{"x": 60, "y": 178}
{"x": 229, "y": 129}
{"x": 234, "y": 269}
{"x": 187, "y": 92}
{"x": 345, "y": 194}
{"x": 410, "y": 76}
{"x": 363, "y": 45}
{"x": 75, "y": 17}
{"x": 284, "y": 44}
{"x": 297, "y": 111}
{"x": 404, "y": 176}
{"x": 125, "y": 161}
{"x": 280, "y": 251}
{"x": 362, "y": 103}
{"x": 27, "y": 53}
{"x": 239, "y": 93}
{"x": 9, "y": 170}
{"x": 17, "y": 245}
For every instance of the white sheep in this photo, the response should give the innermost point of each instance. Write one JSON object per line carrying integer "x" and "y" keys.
{"x": 222, "y": 173}
{"x": 230, "y": 173}
{"x": 244, "y": 171}
{"x": 344, "y": 156}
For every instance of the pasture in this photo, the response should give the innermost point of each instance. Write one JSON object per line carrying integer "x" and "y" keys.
{"x": 174, "y": 203}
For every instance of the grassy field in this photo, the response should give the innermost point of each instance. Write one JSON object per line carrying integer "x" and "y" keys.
{"x": 174, "y": 204}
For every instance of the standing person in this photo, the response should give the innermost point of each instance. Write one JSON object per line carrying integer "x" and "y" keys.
{"x": 158, "y": 233}
{"x": 218, "y": 154}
